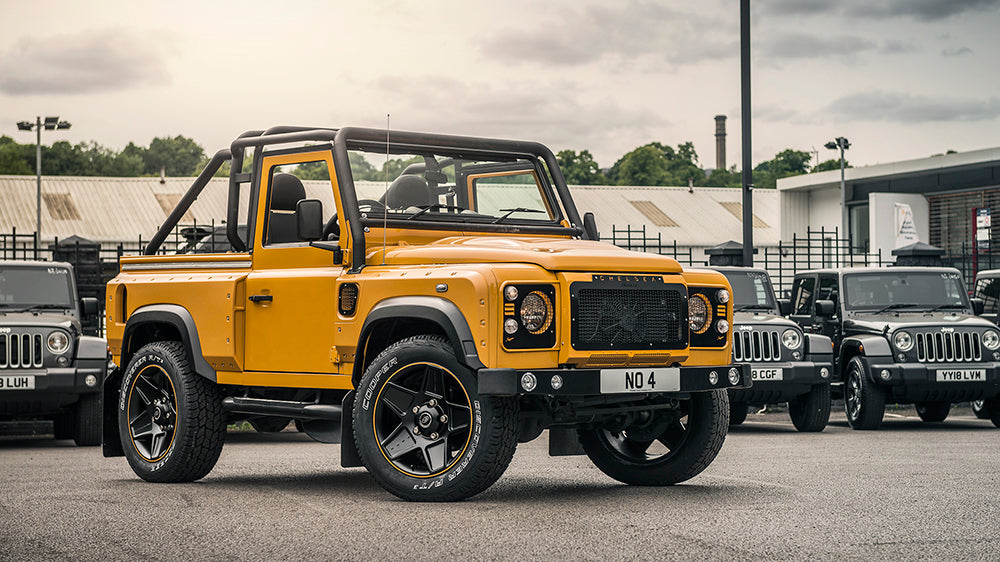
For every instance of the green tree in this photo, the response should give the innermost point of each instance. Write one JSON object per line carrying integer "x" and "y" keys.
{"x": 15, "y": 158}
{"x": 658, "y": 164}
{"x": 831, "y": 164}
{"x": 178, "y": 156}
{"x": 313, "y": 171}
{"x": 579, "y": 169}
{"x": 786, "y": 163}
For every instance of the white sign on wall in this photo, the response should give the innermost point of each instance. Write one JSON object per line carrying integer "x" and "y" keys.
{"x": 906, "y": 230}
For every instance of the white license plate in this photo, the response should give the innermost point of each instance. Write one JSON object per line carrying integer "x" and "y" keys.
{"x": 664, "y": 379}
{"x": 775, "y": 374}
{"x": 17, "y": 382}
{"x": 961, "y": 375}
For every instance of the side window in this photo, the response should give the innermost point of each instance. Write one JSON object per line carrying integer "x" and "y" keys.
{"x": 989, "y": 291}
{"x": 286, "y": 189}
{"x": 802, "y": 296}
{"x": 828, "y": 290}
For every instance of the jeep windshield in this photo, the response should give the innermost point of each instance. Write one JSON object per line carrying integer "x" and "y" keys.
{"x": 751, "y": 290}
{"x": 905, "y": 291}
{"x": 31, "y": 286}
{"x": 475, "y": 193}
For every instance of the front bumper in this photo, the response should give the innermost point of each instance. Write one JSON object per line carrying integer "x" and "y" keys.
{"x": 72, "y": 380}
{"x": 918, "y": 382}
{"x": 595, "y": 382}
{"x": 796, "y": 379}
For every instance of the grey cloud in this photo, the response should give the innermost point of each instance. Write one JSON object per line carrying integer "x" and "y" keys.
{"x": 97, "y": 61}
{"x": 923, "y": 10}
{"x": 956, "y": 52}
{"x": 586, "y": 34}
{"x": 805, "y": 46}
{"x": 907, "y": 108}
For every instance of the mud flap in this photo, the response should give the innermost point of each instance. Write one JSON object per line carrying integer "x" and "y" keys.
{"x": 111, "y": 440}
{"x": 563, "y": 442}
{"x": 349, "y": 456}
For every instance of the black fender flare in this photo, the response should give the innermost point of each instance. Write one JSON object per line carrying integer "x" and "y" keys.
{"x": 867, "y": 346}
{"x": 172, "y": 315}
{"x": 439, "y": 311}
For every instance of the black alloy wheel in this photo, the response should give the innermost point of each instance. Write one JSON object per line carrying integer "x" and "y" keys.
{"x": 152, "y": 412}
{"x": 863, "y": 401}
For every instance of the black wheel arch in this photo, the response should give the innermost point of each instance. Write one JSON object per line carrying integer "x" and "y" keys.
{"x": 165, "y": 322}
{"x": 870, "y": 346}
{"x": 397, "y": 318}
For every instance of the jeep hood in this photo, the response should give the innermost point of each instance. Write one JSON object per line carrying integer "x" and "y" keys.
{"x": 47, "y": 319}
{"x": 553, "y": 254}
{"x": 874, "y": 323}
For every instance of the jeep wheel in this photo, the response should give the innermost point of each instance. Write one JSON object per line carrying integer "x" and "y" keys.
{"x": 737, "y": 413}
{"x": 811, "y": 411}
{"x": 87, "y": 414}
{"x": 933, "y": 411}
{"x": 979, "y": 408}
{"x": 863, "y": 401}
{"x": 670, "y": 447}
{"x": 170, "y": 418}
{"x": 421, "y": 428}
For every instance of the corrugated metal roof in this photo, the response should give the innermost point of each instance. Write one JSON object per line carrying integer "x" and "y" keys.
{"x": 123, "y": 209}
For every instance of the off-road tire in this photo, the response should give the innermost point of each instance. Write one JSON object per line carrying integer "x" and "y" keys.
{"x": 933, "y": 411}
{"x": 160, "y": 387}
{"x": 464, "y": 442}
{"x": 864, "y": 402}
{"x": 980, "y": 410}
{"x": 993, "y": 407}
{"x": 737, "y": 413}
{"x": 269, "y": 424}
{"x": 87, "y": 415}
{"x": 693, "y": 446}
{"x": 811, "y": 411}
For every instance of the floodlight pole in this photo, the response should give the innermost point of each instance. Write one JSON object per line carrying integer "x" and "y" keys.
{"x": 747, "y": 175}
{"x": 50, "y": 123}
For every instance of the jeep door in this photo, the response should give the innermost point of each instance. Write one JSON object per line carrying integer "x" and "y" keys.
{"x": 988, "y": 289}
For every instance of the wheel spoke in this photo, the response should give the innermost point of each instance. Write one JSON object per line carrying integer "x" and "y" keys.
{"x": 150, "y": 391}
{"x": 143, "y": 428}
{"x": 397, "y": 398}
{"x": 635, "y": 448}
{"x": 399, "y": 443}
{"x": 434, "y": 383}
{"x": 459, "y": 417}
{"x": 674, "y": 435}
{"x": 158, "y": 442}
{"x": 436, "y": 455}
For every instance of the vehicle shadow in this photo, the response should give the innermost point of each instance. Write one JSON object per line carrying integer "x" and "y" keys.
{"x": 910, "y": 424}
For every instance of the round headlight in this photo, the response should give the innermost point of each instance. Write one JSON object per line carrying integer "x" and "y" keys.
{"x": 723, "y": 296}
{"x": 698, "y": 313}
{"x": 510, "y": 326}
{"x": 536, "y": 312}
{"x": 510, "y": 293}
{"x": 58, "y": 342}
{"x": 791, "y": 338}
{"x": 991, "y": 339}
{"x": 722, "y": 326}
{"x": 903, "y": 341}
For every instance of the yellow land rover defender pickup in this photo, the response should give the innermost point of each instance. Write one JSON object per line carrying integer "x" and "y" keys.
{"x": 427, "y": 322}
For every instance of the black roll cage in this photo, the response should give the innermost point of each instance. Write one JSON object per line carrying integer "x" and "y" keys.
{"x": 373, "y": 140}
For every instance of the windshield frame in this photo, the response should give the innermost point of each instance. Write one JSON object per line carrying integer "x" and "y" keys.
{"x": 846, "y": 298}
{"x": 771, "y": 299}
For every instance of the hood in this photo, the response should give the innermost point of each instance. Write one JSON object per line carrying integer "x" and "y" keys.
{"x": 762, "y": 318}
{"x": 553, "y": 254}
{"x": 876, "y": 323}
{"x": 46, "y": 319}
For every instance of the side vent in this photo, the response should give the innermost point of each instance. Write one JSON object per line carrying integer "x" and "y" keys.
{"x": 348, "y": 299}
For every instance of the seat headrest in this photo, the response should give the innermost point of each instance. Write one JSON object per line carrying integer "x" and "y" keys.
{"x": 408, "y": 191}
{"x": 286, "y": 191}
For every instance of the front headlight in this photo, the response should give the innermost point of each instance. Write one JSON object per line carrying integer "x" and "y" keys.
{"x": 699, "y": 313}
{"x": 791, "y": 339}
{"x": 536, "y": 312}
{"x": 991, "y": 339}
{"x": 904, "y": 341}
{"x": 58, "y": 343}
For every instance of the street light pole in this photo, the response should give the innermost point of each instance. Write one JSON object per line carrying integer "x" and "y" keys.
{"x": 843, "y": 144}
{"x": 49, "y": 124}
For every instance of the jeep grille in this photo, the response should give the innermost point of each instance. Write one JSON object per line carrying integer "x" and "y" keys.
{"x": 756, "y": 346}
{"x": 20, "y": 351}
{"x": 610, "y": 316}
{"x": 947, "y": 347}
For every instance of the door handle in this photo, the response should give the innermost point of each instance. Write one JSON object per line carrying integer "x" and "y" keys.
{"x": 261, "y": 298}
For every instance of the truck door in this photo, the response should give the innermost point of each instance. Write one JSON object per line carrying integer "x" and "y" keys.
{"x": 803, "y": 302}
{"x": 291, "y": 304}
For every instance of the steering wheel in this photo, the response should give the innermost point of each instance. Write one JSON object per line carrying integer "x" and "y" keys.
{"x": 333, "y": 228}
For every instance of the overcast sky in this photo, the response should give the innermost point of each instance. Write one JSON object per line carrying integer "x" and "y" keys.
{"x": 901, "y": 79}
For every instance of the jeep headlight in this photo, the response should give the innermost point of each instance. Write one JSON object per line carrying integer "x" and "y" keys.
{"x": 791, "y": 339}
{"x": 991, "y": 339}
{"x": 904, "y": 341}
{"x": 699, "y": 313}
{"x": 58, "y": 343}
{"x": 536, "y": 312}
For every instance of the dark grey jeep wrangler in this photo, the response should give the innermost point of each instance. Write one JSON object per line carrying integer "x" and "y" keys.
{"x": 786, "y": 364}
{"x": 48, "y": 369}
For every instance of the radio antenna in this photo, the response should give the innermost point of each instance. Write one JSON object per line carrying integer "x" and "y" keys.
{"x": 385, "y": 191}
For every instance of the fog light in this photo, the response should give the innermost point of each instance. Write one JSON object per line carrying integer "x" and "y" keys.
{"x": 90, "y": 380}
{"x": 722, "y": 326}
{"x": 824, "y": 373}
{"x": 901, "y": 357}
{"x": 996, "y": 356}
{"x": 556, "y": 382}
{"x": 885, "y": 374}
{"x": 713, "y": 378}
{"x": 734, "y": 375}
{"x": 510, "y": 325}
{"x": 528, "y": 382}
{"x": 62, "y": 361}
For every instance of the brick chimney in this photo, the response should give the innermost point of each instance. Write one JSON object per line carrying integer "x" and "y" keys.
{"x": 720, "y": 142}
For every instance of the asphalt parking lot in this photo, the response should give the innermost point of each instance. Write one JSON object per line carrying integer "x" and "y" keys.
{"x": 909, "y": 491}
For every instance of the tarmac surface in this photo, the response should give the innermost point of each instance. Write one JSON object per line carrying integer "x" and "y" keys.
{"x": 911, "y": 490}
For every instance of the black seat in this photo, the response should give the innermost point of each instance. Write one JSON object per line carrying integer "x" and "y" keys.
{"x": 286, "y": 191}
{"x": 408, "y": 191}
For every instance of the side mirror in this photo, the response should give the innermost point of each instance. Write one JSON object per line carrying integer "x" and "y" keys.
{"x": 824, "y": 308}
{"x": 89, "y": 305}
{"x": 785, "y": 307}
{"x": 978, "y": 306}
{"x": 590, "y": 227}
{"x": 309, "y": 219}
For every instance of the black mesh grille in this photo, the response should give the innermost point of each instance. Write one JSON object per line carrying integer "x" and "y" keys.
{"x": 629, "y": 318}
